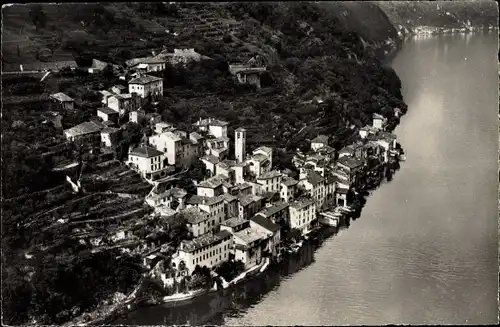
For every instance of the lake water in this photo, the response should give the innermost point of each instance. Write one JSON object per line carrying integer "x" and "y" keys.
{"x": 424, "y": 250}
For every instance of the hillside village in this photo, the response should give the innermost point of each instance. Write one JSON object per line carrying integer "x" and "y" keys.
{"x": 200, "y": 204}
{"x": 244, "y": 206}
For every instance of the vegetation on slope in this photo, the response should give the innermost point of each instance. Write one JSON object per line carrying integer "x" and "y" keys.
{"x": 445, "y": 14}
{"x": 310, "y": 51}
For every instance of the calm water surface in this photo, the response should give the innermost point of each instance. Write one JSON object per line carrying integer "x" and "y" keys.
{"x": 424, "y": 250}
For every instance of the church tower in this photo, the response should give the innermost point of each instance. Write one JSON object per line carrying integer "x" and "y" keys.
{"x": 240, "y": 136}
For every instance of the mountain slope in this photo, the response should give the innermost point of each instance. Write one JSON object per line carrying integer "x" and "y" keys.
{"x": 440, "y": 14}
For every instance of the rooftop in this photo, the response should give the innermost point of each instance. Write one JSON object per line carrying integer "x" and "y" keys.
{"x": 247, "y": 199}
{"x": 83, "y": 129}
{"x": 266, "y": 223}
{"x": 211, "y": 122}
{"x": 259, "y": 157}
{"x": 320, "y": 139}
{"x": 265, "y": 149}
{"x": 107, "y": 111}
{"x": 234, "y": 222}
{"x": 288, "y": 181}
{"x": 61, "y": 97}
{"x": 213, "y": 182}
{"x": 301, "y": 203}
{"x": 342, "y": 190}
{"x": 270, "y": 174}
{"x": 240, "y": 129}
{"x": 378, "y": 116}
{"x": 106, "y": 93}
{"x": 194, "y": 215}
{"x": 145, "y": 79}
{"x": 277, "y": 207}
{"x": 315, "y": 178}
{"x": 250, "y": 235}
{"x": 204, "y": 200}
{"x": 350, "y": 162}
{"x": 109, "y": 130}
{"x": 228, "y": 197}
{"x": 211, "y": 158}
{"x": 145, "y": 151}
{"x": 204, "y": 240}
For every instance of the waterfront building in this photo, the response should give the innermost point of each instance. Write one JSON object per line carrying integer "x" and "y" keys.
{"x": 278, "y": 213}
{"x": 351, "y": 166}
{"x": 288, "y": 189}
{"x": 208, "y": 250}
{"x": 341, "y": 196}
{"x": 302, "y": 214}
{"x": 314, "y": 185}
{"x": 265, "y": 225}
{"x": 248, "y": 245}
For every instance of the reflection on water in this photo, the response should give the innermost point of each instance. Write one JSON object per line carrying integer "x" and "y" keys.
{"x": 232, "y": 302}
{"x": 425, "y": 248}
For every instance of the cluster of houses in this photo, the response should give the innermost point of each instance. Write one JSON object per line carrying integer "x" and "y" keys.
{"x": 241, "y": 209}
{"x": 121, "y": 100}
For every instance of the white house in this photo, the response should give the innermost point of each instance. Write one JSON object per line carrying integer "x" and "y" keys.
{"x": 209, "y": 250}
{"x": 107, "y": 136}
{"x": 121, "y": 103}
{"x": 314, "y": 184}
{"x": 107, "y": 114}
{"x": 266, "y": 151}
{"x": 171, "y": 144}
{"x": 302, "y": 213}
{"x": 248, "y": 245}
{"x": 270, "y": 181}
{"x": 319, "y": 142}
{"x": 265, "y": 225}
{"x": 210, "y": 162}
{"x": 146, "y": 85}
{"x": 288, "y": 188}
{"x": 212, "y": 186}
{"x": 148, "y": 161}
{"x": 378, "y": 121}
{"x": 215, "y": 127}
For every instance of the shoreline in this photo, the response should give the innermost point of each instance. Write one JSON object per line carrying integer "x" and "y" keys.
{"x": 133, "y": 303}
